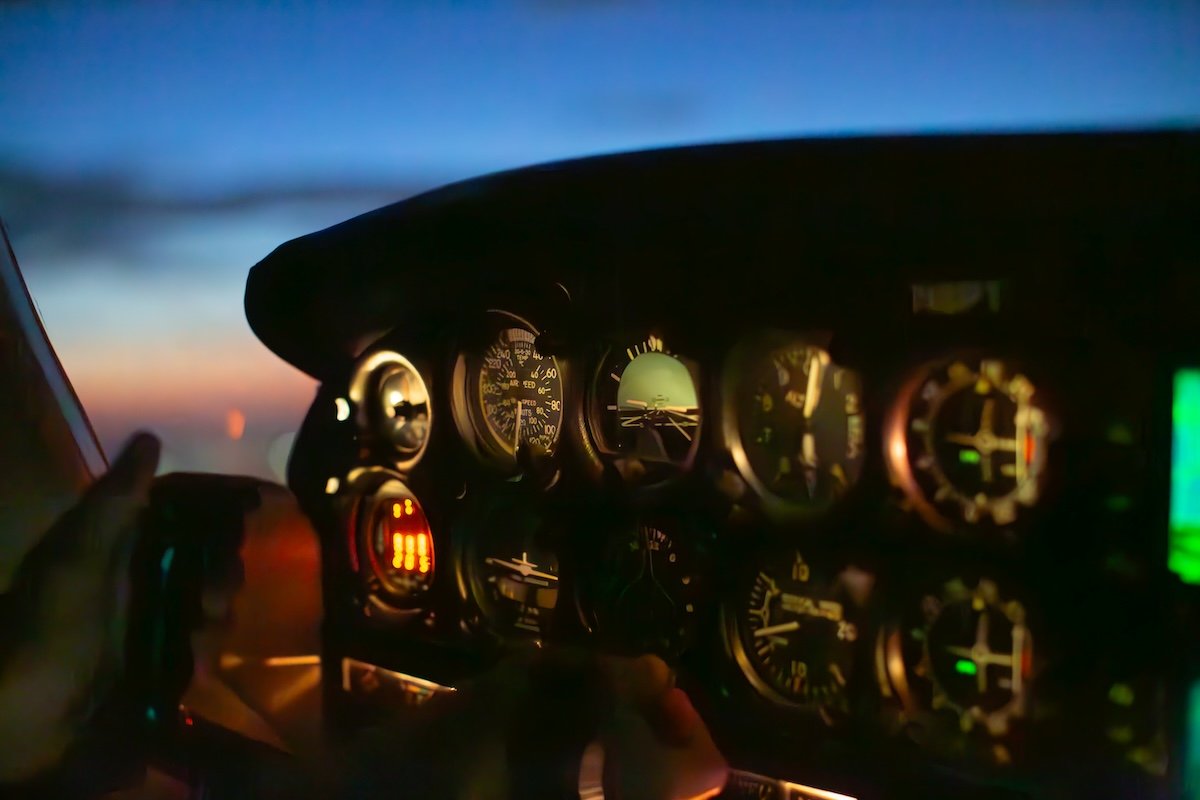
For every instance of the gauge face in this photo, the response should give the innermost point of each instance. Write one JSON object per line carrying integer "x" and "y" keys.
{"x": 513, "y": 579}
{"x": 797, "y": 630}
{"x": 972, "y": 445}
{"x": 392, "y": 402}
{"x": 800, "y": 425}
{"x": 967, "y": 652}
{"x": 646, "y": 406}
{"x": 648, "y": 592}
{"x": 520, "y": 391}
{"x": 403, "y": 407}
{"x": 396, "y": 542}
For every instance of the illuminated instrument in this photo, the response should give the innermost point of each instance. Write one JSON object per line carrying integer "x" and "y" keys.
{"x": 794, "y": 632}
{"x": 511, "y": 578}
{"x": 967, "y": 443}
{"x": 966, "y": 652}
{"x": 513, "y": 394}
{"x": 647, "y": 591}
{"x": 393, "y": 404}
{"x": 646, "y": 406}
{"x": 796, "y": 423}
{"x": 395, "y": 546}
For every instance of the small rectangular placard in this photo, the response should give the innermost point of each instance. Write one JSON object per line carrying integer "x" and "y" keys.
{"x": 387, "y": 686}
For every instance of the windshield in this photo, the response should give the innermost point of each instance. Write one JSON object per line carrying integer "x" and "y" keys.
{"x": 151, "y": 154}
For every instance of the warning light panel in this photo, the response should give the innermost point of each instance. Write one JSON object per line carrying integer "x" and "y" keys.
{"x": 398, "y": 545}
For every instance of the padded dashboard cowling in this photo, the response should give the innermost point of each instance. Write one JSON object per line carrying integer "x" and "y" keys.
{"x": 731, "y": 220}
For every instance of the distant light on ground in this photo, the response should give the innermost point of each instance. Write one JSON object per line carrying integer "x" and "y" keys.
{"x": 235, "y": 424}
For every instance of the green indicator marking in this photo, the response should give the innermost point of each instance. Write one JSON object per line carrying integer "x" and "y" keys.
{"x": 968, "y": 456}
{"x": 965, "y": 667}
{"x": 1121, "y": 694}
{"x": 1119, "y": 433}
{"x": 1183, "y": 548}
{"x": 1118, "y": 502}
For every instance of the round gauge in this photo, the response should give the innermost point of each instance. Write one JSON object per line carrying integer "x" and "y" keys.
{"x": 404, "y": 407}
{"x": 646, "y": 406}
{"x": 966, "y": 651}
{"x": 968, "y": 443}
{"x": 794, "y": 633}
{"x": 514, "y": 392}
{"x": 799, "y": 425}
{"x": 512, "y": 577}
{"x": 393, "y": 403}
{"x": 395, "y": 546}
{"x": 648, "y": 591}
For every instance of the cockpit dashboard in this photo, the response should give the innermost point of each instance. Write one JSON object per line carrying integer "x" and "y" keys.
{"x": 879, "y": 443}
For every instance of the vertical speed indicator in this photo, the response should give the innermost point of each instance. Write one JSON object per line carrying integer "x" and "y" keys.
{"x": 796, "y": 630}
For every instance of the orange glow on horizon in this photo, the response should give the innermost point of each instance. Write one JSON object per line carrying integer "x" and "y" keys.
{"x": 235, "y": 424}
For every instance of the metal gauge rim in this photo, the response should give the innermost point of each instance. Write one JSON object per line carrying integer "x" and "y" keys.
{"x": 370, "y": 488}
{"x": 892, "y": 670}
{"x": 364, "y": 385}
{"x": 470, "y": 417}
{"x": 657, "y": 473}
{"x": 684, "y": 541}
{"x": 899, "y": 462}
{"x": 470, "y": 589}
{"x": 775, "y": 506}
{"x": 734, "y": 627}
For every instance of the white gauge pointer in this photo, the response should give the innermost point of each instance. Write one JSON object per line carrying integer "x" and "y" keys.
{"x": 784, "y": 627}
{"x": 522, "y": 565}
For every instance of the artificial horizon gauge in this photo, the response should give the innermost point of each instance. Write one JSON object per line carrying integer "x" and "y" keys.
{"x": 511, "y": 393}
{"x": 794, "y": 632}
{"x": 967, "y": 443}
{"x": 393, "y": 402}
{"x": 965, "y": 651}
{"x": 797, "y": 424}
{"x": 648, "y": 590}
{"x": 645, "y": 406}
{"x": 510, "y": 574}
{"x": 394, "y": 546}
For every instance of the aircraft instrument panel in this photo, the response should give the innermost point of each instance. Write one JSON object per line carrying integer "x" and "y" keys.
{"x": 888, "y": 447}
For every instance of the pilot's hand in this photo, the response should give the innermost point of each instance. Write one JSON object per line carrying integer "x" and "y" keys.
{"x": 62, "y": 631}
{"x": 520, "y": 731}
{"x": 655, "y": 745}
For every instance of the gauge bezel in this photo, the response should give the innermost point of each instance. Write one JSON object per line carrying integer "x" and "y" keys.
{"x": 466, "y": 404}
{"x": 477, "y": 618}
{"x": 689, "y": 540}
{"x": 732, "y": 626}
{"x": 363, "y": 393}
{"x": 654, "y": 474}
{"x": 895, "y": 432}
{"x": 892, "y": 670}
{"x": 775, "y": 507}
{"x": 370, "y": 487}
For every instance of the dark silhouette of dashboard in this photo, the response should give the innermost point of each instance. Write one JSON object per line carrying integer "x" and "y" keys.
{"x": 871, "y": 439}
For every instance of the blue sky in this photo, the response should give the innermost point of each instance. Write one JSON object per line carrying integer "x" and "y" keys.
{"x": 150, "y": 153}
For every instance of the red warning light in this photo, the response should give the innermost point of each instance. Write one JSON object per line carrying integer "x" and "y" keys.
{"x": 404, "y": 543}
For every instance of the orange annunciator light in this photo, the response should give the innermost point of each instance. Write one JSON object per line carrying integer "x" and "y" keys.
{"x": 411, "y": 552}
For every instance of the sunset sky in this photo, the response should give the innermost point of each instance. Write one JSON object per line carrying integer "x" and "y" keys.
{"x": 150, "y": 154}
